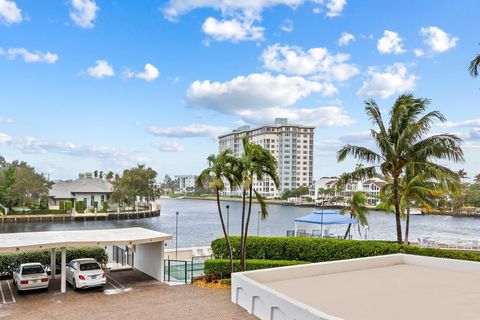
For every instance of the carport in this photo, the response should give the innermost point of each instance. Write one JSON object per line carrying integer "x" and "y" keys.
{"x": 148, "y": 246}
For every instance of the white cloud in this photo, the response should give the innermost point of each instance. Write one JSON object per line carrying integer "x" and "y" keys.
{"x": 168, "y": 146}
{"x": 188, "y": 131}
{"x": 238, "y": 17}
{"x": 252, "y": 91}
{"x": 30, "y": 57}
{"x": 391, "y": 42}
{"x": 287, "y": 25}
{"x": 394, "y": 79}
{"x": 254, "y": 8}
{"x": 83, "y": 13}
{"x": 437, "y": 39}
{"x": 419, "y": 52}
{"x": 317, "y": 62}
{"x": 461, "y": 124}
{"x": 101, "y": 70}
{"x": 335, "y": 7}
{"x": 151, "y": 73}
{"x": 345, "y": 39}
{"x": 258, "y": 98}
{"x": 232, "y": 30}
{"x": 9, "y": 12}
{"x": 5, "y": 119}
{"x": 4, "y": 138}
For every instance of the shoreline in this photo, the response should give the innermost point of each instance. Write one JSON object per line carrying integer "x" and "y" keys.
{"x": 312, "y": 205}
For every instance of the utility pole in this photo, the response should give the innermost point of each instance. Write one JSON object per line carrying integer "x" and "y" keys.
{"x": 228, "y": 220}
{"x": 176, "y": 235}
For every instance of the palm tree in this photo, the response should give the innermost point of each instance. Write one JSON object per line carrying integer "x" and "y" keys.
{"x": 425, "y": 189}
{"x": 403, "y": 141}
{"x": 462, "y": 174}
{"x": 220, "y": 169}
{"x": 474, "y": 66}
{"x": 255, "y": 163}
{"x": 356, "y": 206}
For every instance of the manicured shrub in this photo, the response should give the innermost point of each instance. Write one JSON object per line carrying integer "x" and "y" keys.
{"x": 105, "y": 207}
{"x": 319, "y": 250}
{"x": 10, "y": 260}
{"x": 61, "y": 205}
{"x": 80, "y": 206}
{"x": 68, "y": 205}
{"x": 220, "y": 268}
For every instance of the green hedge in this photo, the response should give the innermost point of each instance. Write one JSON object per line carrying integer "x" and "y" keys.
{"x": 80, "y": 206}
{"x": 9, "y": 260}
{"x": 319, "y": 250}
{"x": 220, "y": 268}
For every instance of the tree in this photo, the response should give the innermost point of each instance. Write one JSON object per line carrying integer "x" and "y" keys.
{"x": 476, "y": 179}
{"x": 404, "y": 140}
{"x": 255, "y": 163}
{"x": 295, "y": 193}
{"x": 20, "y": 185}
{"x": 357, "y": 207}
{"x": 425, "y": 189}
{"x": 474, "y": 66}
{"x": 136, "y": 182}
{"x": 169, "y": 185}
{"x": 110, "y": 176}
{"x": 462, "y": 174}
{"x": 220, "y": 168}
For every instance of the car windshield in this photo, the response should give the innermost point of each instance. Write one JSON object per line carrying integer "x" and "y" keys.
{"x": 89, "y": 266}
{"x": 26, "y": 270}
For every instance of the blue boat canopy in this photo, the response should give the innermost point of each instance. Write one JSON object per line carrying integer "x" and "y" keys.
{"x": 326, "y": 217}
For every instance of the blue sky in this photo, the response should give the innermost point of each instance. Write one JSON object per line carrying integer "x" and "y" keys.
{"x": 104, "y": 85}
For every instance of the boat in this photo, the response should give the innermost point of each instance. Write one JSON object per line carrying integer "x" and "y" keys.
{"x": 415, "y": 211}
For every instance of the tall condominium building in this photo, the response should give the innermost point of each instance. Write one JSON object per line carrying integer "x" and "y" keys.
{"x": 290, "y": 144}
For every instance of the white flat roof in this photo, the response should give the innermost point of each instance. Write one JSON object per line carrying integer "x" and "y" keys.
{"x": 10, "y": 242}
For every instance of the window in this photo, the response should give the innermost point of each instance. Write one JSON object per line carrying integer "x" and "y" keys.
{"x": 92, "y": 200}
{"x": 89, "y": 266}
{"x": 27, "y": 270}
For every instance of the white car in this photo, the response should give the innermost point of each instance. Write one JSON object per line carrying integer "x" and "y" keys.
{"x": 30, "y": 276}
{"x": 85, "y": 273}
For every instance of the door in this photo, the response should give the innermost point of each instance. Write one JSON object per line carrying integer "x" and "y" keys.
{"x": 70, "y": 271}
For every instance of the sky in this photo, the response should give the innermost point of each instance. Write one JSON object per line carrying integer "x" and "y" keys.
{"x": 103, "y": 85}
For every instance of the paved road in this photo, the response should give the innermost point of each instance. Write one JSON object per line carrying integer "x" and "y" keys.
{"x": 128, "y": 295}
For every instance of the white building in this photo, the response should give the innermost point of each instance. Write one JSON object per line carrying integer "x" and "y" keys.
{"x": 186, "y": 183}
{"x": 290, "y": 144}
{"x": 325, "y": 188}
{"x": 86, "y": 188}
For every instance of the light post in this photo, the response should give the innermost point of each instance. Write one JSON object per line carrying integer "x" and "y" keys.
{"x": 228, "y": 220}
{"x": 176, "y": 235}
{"x": 258, "y": 224}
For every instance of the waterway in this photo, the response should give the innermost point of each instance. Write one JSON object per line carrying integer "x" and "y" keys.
{"x": 198, "y": 223}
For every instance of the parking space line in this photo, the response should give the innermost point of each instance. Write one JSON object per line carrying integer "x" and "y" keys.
{"x": 11, "y": 292}
{"x": 121, "y": 285}
{"x": 1, "y": 290}
{"x": 111, "y": 283}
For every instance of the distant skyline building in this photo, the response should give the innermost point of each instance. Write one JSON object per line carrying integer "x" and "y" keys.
{"x": 290, "y": 144}
{"x": 186, "y": 183}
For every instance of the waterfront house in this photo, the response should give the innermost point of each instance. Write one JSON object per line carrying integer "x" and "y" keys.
{"x": 86, "y": 188}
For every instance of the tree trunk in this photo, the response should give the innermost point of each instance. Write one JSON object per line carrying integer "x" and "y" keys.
{"x": 229, "y": 246}
{"x": 242, "y": 229}
{"x": 396, "y": 202}
{"x": 407, "y": 225}
{"x": 246, "y": 227}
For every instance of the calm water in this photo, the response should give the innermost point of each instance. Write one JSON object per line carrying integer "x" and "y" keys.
{"x": 198, "y": 223}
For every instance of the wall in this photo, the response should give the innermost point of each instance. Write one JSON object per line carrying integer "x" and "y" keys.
{"x": 149, "y": 259}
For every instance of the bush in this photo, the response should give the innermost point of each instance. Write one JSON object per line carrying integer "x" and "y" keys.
{"x": 80, "y": 206}
{"x": 68, "y": 205}
{"x": 95, "y": 204}
{"x": 319, "y": 250}
{"x": 220, "y": 268}
{"x": 9, "y": 260}
{"x": 105, "y": 207}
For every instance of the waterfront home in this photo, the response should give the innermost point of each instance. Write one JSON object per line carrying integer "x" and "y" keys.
{"x": 86, "y": 188}
{"x": 325, "y": 189}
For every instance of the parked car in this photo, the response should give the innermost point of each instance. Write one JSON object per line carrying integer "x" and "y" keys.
{"x": 85, "y": 273}
{"x": 30, "y": 276}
